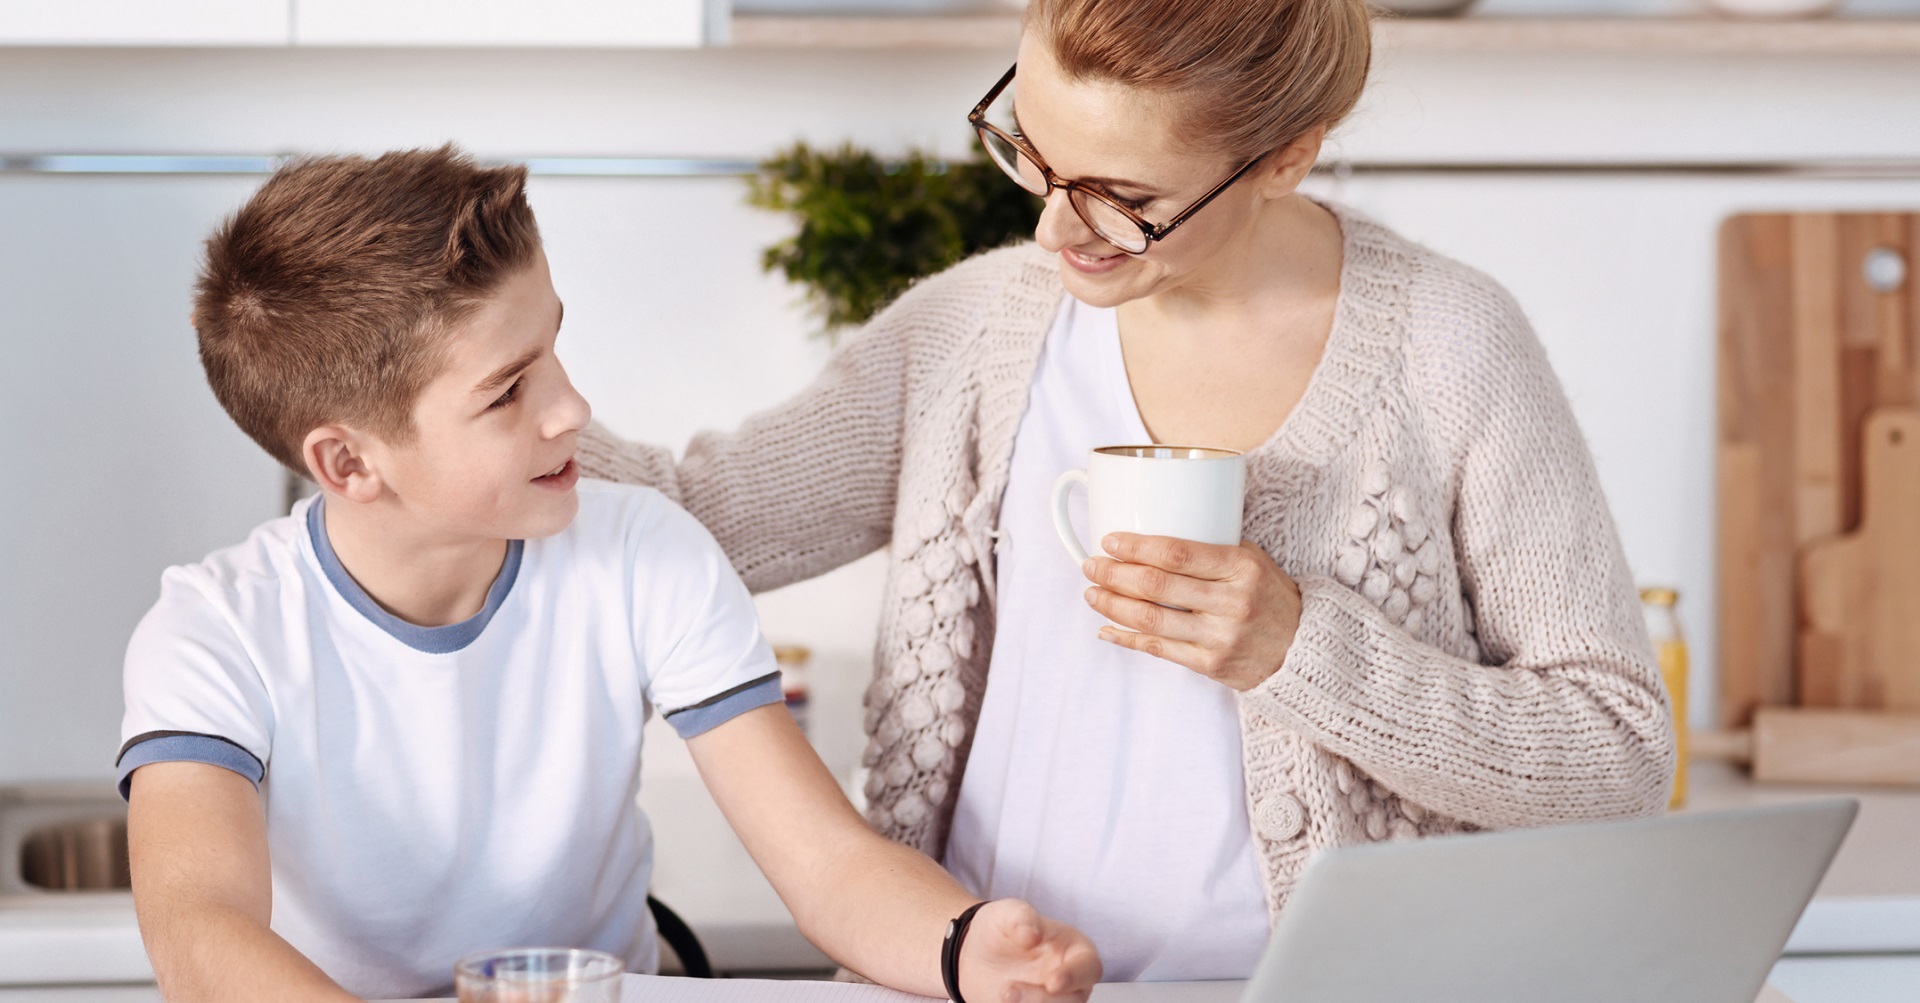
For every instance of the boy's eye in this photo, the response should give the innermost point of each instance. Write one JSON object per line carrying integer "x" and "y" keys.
{"x": 507, "y": 398}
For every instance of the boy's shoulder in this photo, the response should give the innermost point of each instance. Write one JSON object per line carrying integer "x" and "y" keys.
{"x": 270, "y": 552}
{"x": 630, "y": 520}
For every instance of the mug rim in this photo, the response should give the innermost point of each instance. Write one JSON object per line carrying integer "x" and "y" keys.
{"x": 1211, "y": 452}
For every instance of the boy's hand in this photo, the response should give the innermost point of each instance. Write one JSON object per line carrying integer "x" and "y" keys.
{"x": 1012, "y": 954}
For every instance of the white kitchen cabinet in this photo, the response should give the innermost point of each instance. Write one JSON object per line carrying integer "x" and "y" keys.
{"x": 144, "y": 22}
{"x": 651, "y": 23}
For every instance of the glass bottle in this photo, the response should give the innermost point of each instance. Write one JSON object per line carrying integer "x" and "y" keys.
{"x": 793, "y": 659}
{"x": 1663, "y": 624}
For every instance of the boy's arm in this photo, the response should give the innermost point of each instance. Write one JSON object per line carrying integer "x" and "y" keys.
{"x": 873, "y": 905}
{"x": 203, "y": 891}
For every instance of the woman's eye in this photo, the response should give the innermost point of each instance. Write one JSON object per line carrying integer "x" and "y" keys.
{"x": 507, "y": 398}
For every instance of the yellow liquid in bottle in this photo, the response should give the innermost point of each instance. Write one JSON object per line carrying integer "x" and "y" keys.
{"x": 1673, "y": 671}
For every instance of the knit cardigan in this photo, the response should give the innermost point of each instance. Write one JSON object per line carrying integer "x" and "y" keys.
{"x": 1470, "y": 654}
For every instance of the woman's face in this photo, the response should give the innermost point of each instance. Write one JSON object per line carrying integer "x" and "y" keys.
{"x": 1125, "y": 142}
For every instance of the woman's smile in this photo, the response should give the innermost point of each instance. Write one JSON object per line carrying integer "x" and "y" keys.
{"x": 1092, "y": 264}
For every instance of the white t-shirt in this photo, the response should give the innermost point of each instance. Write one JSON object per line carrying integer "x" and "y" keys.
{"x": 432, "y": 792}
{"x": 1104, "y": 786}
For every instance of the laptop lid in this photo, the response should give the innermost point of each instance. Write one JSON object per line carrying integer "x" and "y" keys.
{"x": 1685, "y": 908}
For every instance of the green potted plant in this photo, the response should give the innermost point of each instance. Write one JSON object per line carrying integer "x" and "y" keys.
{"x": 869, "y": 227}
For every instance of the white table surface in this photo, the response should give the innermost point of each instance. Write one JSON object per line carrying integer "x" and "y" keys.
{"x": 1111, "y": 992}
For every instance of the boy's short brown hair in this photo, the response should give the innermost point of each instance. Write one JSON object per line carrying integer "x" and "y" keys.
{"x": 328, "y": 296}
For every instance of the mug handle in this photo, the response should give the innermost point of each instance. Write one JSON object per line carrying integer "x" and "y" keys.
{"x": 1062, "y": 524}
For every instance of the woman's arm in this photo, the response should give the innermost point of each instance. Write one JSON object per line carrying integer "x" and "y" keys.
{"x": 873, "y": 905}
{"x": 203, "y": 890}
{"x": 806, "y": 486}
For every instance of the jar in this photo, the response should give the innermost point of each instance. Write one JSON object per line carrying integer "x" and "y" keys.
{"x": 1670, "y": 649}
{"x": 793, "y": 659}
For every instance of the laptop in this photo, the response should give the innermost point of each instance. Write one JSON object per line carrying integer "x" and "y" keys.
{"x": 1686, "y": 908}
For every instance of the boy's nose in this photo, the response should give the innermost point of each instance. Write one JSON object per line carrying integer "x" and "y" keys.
{"x": 570, "y": 413}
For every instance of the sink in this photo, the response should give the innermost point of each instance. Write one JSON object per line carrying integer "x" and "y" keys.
{"x": 89, "y": 855}
{"x": 66, "y": 905}
{"x": 61, "y": 841}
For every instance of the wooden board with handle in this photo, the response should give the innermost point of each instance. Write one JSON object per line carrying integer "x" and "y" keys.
{"x": 1812, "y": 338}
{"x": 1860, "y": 593}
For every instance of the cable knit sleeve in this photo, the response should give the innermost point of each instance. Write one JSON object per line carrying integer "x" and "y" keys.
{"x": 801, "y": 488}
{"x": 1562, "y": 716}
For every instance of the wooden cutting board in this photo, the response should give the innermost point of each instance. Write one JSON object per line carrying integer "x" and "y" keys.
{"x": 1811, "y": 339}
{"x": 1860, "y": 593}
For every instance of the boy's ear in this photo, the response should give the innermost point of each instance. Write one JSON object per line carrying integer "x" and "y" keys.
{"x": 336, "y": 461}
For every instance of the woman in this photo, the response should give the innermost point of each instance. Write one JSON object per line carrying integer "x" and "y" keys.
{"x": 1430, "y": 627}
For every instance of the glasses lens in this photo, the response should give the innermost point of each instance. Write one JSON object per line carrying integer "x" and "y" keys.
{"x": 1113, "y": 226}
{"x": 1018, "y": 166}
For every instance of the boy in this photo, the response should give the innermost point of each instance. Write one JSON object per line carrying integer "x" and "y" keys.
{"x": 403, "y": 724}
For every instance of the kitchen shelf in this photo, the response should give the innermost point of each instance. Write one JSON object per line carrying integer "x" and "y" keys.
{"x": 1642, "y": 35}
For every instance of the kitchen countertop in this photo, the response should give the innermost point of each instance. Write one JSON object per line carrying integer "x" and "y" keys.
{"x": 1869, "y": 902}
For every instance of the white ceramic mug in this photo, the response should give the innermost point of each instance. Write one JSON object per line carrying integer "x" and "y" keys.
{"x": 1189, "y": 492}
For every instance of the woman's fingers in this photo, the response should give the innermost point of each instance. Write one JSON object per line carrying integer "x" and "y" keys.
{"x": 1236, "y": 616}
{"x": 1146, "y": 617}
{"x": 1185, "y": 653}
{"x": 1144, "y": 581}
{"x": 1210, "y": 561}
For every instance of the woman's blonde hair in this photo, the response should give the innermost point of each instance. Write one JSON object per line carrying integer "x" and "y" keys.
{"x": 1250, "y": 75}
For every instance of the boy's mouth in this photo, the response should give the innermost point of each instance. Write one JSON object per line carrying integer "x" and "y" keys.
{"x": 561, "y": 477}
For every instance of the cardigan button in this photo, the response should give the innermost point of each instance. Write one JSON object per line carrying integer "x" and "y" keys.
{"x": 1281, "y": 818}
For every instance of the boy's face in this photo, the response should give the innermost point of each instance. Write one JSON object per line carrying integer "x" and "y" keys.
{"x": 492, "y": 453}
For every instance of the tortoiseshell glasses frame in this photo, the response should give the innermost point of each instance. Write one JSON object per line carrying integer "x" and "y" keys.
{"x": 1104, "y": 215}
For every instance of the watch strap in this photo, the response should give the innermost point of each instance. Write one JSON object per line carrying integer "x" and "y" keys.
{"x": 950, "y": 951}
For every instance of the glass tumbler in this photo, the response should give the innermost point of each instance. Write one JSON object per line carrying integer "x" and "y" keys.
{"x": 539, "y": 975}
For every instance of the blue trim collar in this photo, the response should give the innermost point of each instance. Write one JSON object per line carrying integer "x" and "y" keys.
{"x": 432, "y": 640}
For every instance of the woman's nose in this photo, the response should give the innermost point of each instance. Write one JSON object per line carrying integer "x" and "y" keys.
{"x": 1060, "y": 226}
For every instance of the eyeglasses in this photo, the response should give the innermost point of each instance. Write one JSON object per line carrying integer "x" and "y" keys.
{"x": 1115, "y": 223}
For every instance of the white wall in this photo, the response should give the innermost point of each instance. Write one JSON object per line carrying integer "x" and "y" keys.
{"x": 118, "y": 462}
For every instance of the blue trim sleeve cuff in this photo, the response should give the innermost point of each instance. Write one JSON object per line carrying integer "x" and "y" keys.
{"x": 718, "y": 710}
{"x": 187, "y": 748}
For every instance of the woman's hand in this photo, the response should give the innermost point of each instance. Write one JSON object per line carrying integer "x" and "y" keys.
{"x": 1012, "y": 954}
{"x": 1238, "y": 611}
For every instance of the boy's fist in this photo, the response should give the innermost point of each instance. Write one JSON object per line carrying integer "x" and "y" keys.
{"x": 1012, "y": 954}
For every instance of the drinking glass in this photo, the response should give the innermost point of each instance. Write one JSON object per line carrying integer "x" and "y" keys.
{"x": 539, "y": 975}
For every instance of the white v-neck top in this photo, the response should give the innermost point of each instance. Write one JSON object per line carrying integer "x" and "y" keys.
{"x": 1104, "y": 786}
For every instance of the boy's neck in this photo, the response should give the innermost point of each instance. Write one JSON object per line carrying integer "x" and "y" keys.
{"x": 426, "y": 581}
